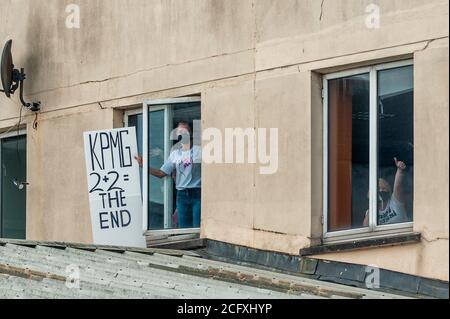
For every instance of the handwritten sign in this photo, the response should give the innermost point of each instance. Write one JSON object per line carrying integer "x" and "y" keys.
{"x": 114, "y": 187}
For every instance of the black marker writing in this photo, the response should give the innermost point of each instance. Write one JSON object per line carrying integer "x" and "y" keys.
{"x": 102, "y": 143}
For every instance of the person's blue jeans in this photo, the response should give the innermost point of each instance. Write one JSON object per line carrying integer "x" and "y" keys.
{"x": 189, "y": 207}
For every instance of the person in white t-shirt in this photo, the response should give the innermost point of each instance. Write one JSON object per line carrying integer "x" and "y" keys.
{"x": 184, "y": 165}
{"x": 391, "y": 202}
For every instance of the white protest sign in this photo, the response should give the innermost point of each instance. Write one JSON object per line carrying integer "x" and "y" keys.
{"x": 114, "y": 187}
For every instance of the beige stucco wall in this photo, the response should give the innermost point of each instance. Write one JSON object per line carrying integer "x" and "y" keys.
{"x": 256, "y": 64}
{"x": 57, "y": 200}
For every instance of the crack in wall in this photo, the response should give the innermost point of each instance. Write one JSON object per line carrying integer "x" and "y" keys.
{"x": 269, "y": 231}
{"x": 427, "y": 44}
{"x": 433, "y": 239}
{"x": 299, "y": 65}
{"x": 139, "y": 71}
{"x": 430, "y": 236}
{"x": 321, "y": 10}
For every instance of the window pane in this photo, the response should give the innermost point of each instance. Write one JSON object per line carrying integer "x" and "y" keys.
{"x": 395, "y": 145}
{"x": 348, "y": 152}
{"x": 167, "y": 210}
{"x": 136, "y": 121}
{"x": 13, "y": 198}
{"x": 156, "y": 146}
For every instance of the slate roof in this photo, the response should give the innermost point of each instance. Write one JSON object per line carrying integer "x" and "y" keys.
{"x": 49, "y": 270}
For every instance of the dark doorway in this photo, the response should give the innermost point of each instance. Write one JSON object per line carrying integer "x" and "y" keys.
{"x": 13, "y": 159}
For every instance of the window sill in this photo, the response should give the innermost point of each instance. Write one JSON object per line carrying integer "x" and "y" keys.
{"x": 171, "y": 232}
{"x": 384, "y": 241}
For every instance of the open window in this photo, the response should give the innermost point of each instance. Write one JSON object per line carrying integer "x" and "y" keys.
{"x": 368, "y": 151}
{"x": 154, "y": 125}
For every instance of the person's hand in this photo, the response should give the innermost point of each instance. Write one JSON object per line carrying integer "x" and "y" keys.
{"x": 399, "y": 164}
{"x": 138, "y": 158}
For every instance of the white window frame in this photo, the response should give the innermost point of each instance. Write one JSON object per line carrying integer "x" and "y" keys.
{"x": 373, "y": 230}
{"x": 128, "y": 113}
{"x": 159, "y": 104}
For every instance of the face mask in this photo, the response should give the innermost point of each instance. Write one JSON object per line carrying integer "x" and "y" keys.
{"x": 184, "y": 138}
{"x": 384, "y": 196}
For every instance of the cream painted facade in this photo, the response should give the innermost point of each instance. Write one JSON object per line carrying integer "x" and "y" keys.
{"x": 255, "y": 63}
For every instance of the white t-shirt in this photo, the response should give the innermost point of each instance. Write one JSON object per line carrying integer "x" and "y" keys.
{"x": 187, "y": 165}
{"x": 393, "y": 213}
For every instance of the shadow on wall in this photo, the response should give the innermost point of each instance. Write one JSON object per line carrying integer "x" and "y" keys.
{"x": 57, "y": 55}
{"x": 34, "y": 48}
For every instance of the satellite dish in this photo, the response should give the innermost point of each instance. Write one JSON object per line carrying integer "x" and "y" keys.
{"x": 7, "y": 68}
{"x": 12, "y": 78}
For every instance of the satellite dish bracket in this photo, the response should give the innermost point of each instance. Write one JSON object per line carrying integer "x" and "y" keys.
{"x": 13, "y": 78}
{"x": 18, "y": 78}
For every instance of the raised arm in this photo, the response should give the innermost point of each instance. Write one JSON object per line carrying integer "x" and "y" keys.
{"x": 399, "y": 182}
{"x": 152, "y": 171}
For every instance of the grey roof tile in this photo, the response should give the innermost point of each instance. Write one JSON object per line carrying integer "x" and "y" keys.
{"x": 32, "y": 270}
